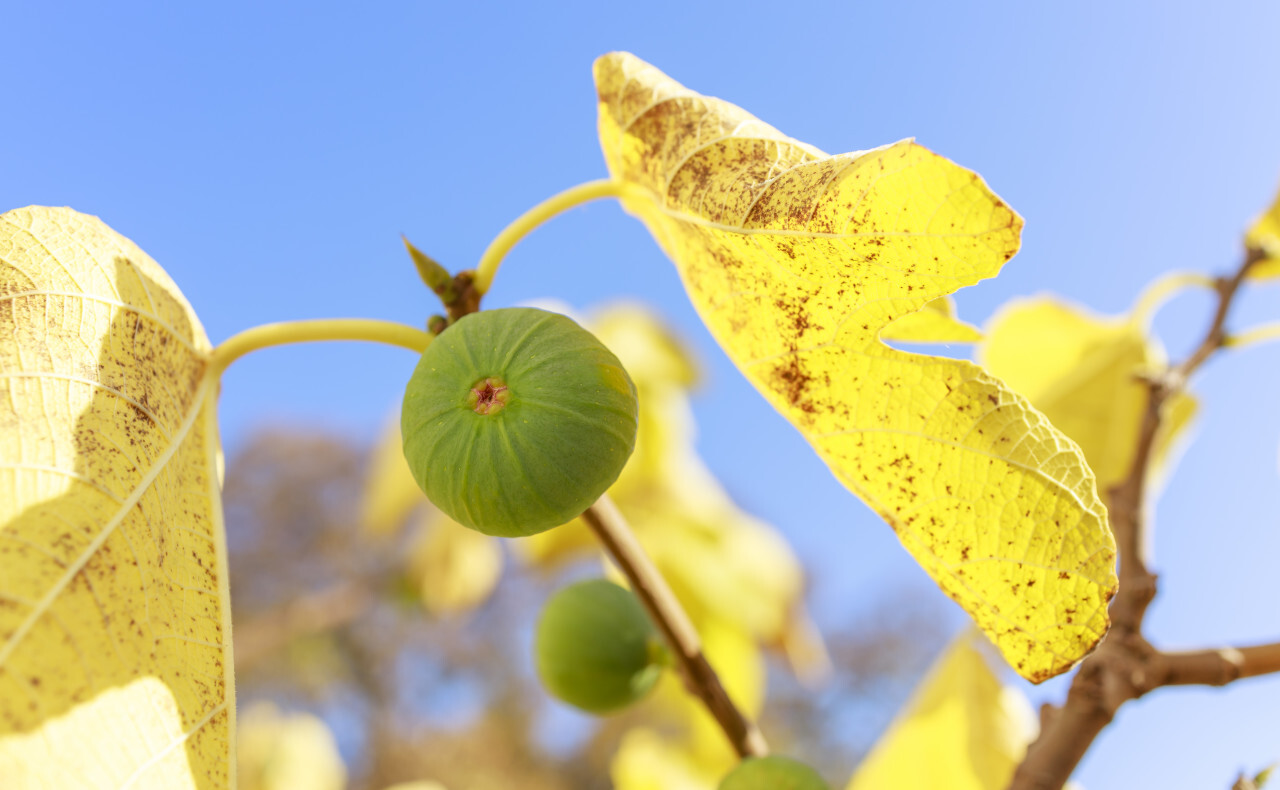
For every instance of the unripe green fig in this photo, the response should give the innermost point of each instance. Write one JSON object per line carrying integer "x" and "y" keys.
{"x": 517, "y": 420}
{"x": 772, "y": 773}
{"x": 595, "y": 649}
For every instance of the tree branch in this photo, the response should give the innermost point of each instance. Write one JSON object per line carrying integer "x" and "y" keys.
{"x": 1125, "y": 666}
{"x": 651, "y": 588}
{"x": 1220, "y": 666}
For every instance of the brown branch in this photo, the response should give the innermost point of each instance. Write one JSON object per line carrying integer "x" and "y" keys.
{"x": 651, "y": 588}
{"x": 1125, "y": 666}
{"x": 1218, "y": 667}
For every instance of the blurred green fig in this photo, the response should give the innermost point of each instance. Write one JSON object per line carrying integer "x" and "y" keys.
{"x": 595, "y": 648}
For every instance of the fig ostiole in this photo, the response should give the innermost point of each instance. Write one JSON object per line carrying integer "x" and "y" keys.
{"x": 772, "y": 773}
{"x": 516, "y": 420}
{"x": 595, "y": 648}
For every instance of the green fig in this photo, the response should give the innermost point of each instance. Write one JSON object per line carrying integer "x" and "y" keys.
{"x": 772, "y": 773}
{"x": 595, "y": 648}
{"x": 517, "y": 420}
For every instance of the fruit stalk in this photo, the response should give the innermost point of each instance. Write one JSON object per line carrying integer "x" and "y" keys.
{"x": 660, "y": 602}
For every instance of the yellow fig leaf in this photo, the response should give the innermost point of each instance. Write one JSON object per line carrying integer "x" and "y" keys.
{"x": 796, "y": 261}
{"x": 390, "y": 492}
{"x": 647, "y": 761}
{"x": 1079, "y": 369}
{"x": 454, "y": 568}
{"x": 647, "y": 349}
{"x": 961, "y": 729}
{"x": 294, "y": 751}
{"x": 936, "y": 322}
{"x": 1264, "y": 235}
{"x": 115, "y": 662}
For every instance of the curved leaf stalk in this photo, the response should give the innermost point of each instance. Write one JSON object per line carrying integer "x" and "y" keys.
{"x": 1259, "y": 334}
{"x": 290, "y": 332}
{"x": 526, "y": 222}
{"x": 1164, "y": 288}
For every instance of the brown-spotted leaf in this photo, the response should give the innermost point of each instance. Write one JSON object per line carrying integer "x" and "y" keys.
{"x": 115, "y": 664}
{"x": 796, "y": 261}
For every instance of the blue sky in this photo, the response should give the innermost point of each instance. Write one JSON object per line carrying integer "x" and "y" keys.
{"x": 269, "y": 156}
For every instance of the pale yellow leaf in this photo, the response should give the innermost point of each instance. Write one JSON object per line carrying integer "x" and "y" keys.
{"x": 647, "y": 761}
{"x": 390, "y": 492}
{"x": 802, "y": 643}
{"x": 731, "y": 568}
{"x": 961, "y": 730}
{"x": 1264, "y": 235}
{"x": 294, "y": 751}
{"x": 1080, "y": 370}
{"x": 454, "y": 568}
{"x": 796, "y": 261}
{"x": 114, "y": 621}
{"x": 936, "y": 322}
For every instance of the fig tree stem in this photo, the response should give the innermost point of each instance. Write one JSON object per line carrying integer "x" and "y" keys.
{"x": 513, "y": 233}
{"x": 1164, "y": 288}
{"x": 1249, "y": 337}
{"x": 289, "y": 332}
{"x": 660, "y": 602}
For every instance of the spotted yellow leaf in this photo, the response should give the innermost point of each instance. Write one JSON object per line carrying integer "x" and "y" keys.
{"x": 1080, "y": 370}
{"x": 962, "y": 729}
{"x": 936, "y": 322}
{"x": 115, "y": 664}
{"x": 1264, "y": 235}
{"x": 796, "y": 261}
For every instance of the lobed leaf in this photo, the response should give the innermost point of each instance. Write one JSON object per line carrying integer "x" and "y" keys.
{"x": 796, "y": 261}
{"x": 936, "y": 322}
{"x": 115, "y": 663}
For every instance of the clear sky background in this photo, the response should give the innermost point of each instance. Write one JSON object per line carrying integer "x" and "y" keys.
{"x": 269, "y": 156}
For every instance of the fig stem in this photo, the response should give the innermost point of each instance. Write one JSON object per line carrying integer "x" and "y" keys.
{"x": 609, "y": 525}
{"x": 1164, "y": 288}
{"x": 526, "y": 222}
{"x": 289, "y": 332}
{"x": 1259, "y": 334}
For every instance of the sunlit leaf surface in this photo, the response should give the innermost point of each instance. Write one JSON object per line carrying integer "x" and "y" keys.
{"x": 115, "y": 668}
{"x": 936, "y": 322}
{"x": 1080, "y": 370}
{"x": 796, "y": 261}
{"x": 961, "y": 730}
